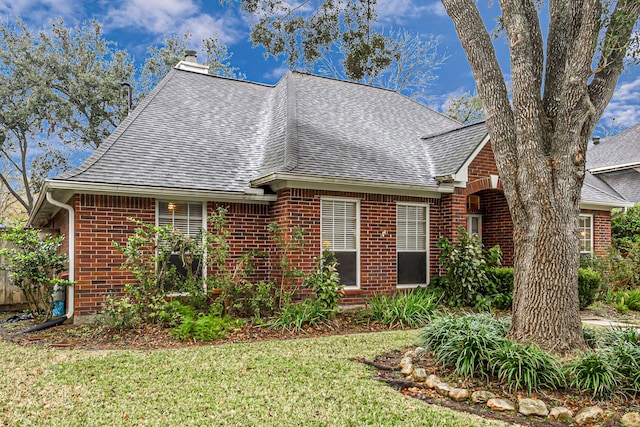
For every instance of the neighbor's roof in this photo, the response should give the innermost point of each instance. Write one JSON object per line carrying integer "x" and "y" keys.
{"x": 204, "y": 132}
{"x": 613, "y": 152}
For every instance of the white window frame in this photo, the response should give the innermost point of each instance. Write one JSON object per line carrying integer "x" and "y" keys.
{"x": 427, "y": 238}
{"x": 357, "y": 233}
{"x": 580, "y": 229}
{"x": 469, "y": 222}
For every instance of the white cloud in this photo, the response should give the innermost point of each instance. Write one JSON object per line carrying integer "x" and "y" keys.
{"x": 624, "y": 108}
{"x": 276, "y": 73}
{"x": 39, "y": 11}
{"x": 396, "y": 11}
{"x": 163, "y": 17}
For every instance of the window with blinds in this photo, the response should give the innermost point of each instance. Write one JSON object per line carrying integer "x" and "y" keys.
{"x": 411, "y": 244}
{"x": 585, "y": 230}
{"x": 183, "y": 216}
{"x": 339, "y": 232}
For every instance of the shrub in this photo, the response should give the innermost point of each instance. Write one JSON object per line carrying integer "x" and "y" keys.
{"x": 205, "y": 327}
{"x": 34, "y": 262}
{"x": 324, "y": 281}
{"x": 294, "y": 317}
{"x": 500, "y": 288}
{"x": 525, "y": 367}
{"x": 464, "y": 343}
{"x": 594, "y": 372}
{"x": 466, "y": 266}
{"x": 413, "y": 308}
{"x": 589, "y": 282}
{"x": 625, "y": 300}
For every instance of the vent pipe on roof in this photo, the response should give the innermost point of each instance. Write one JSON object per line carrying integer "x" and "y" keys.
{"x": 190, "y": 56}
{"x": 596, "y": 140}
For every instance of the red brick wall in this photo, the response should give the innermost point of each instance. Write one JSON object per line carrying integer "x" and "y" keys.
{"x": 497, "y": 227}
{"x": 100, "y": 220}
{"x": 601, "y": 230}
{"x": 377, "y": 251}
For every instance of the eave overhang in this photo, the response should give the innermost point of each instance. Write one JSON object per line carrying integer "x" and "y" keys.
{"x": 63, "y": 190}
{"x": 280, "y": 180}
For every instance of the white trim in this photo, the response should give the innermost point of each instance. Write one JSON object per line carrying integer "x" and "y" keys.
{"x": 461, "y": 176}
{"x": 479, "y": 217}
{"x": 604, "y": 206}
{"x": 613, "y": 168}
{"x": 590, "y": 216}
{"x": 357, "y": 233}
{"x": 280, "y": 180}
{"x": 427, "y": 249}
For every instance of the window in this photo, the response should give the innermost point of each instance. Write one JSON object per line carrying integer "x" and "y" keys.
{"x": 340, "y": 233}
{"x": 585, "y": 230}
{"x": 411, "y": 244}
{"x": 186, "y": 217}
{"x": 474, "y": 225}
{"x": 183, "y": 216}
{"x": 473, "y": 203}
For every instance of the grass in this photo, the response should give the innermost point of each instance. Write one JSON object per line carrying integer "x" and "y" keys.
{"x": 306, "y": 382}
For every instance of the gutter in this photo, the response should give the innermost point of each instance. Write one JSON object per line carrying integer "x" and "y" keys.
{"x": 72, "y": 252}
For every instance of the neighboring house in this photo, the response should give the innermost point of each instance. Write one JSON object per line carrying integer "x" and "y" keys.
{"x": 616, "y": 161}
{"x": 371, "y": 173}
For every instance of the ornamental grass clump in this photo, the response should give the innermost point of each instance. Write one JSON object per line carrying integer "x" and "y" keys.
{"x": 413, "y": 308}
{"x": 594, "y": 372}
{"x": 464, "y": 343}
{"x": 525, "y": 367}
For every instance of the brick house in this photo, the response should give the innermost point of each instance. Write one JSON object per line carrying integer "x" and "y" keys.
{"x": 372, "y": 173}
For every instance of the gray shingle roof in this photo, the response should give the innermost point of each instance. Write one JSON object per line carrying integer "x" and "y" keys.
{"x": 450, "y": 150}
{"x": 620, "y": 149}
{"x": 625, "y": 182}
{"x": 207, "y": 133}
{"x": 596, "y": 190}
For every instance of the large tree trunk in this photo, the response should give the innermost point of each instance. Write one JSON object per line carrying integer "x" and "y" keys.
{"x": 539, "y": 136}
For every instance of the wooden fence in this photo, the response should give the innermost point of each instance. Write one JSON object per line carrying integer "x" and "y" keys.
{"x": 10, "y": 295}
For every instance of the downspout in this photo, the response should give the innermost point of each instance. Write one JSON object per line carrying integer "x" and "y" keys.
{"x": 72, "y": 251}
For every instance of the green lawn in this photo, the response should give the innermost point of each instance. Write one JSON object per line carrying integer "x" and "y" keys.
{"x": 307, "y": 382}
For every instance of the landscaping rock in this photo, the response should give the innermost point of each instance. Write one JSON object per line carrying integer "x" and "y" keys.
{"x": 459, "y": 394}
{"x": 560, "y": 413}
{"x": 419, "y": 375}
{"x": 481, "y": 396}
{"x": 589, "y": 415}
{"x": 420, "y": 351}
{"x": 443, "y": 388}
{"x": 432, "y": 381}
{"x": 410, "y": 354}
{"x": 532, "y": 407}
{"x": 406, "y": 363}
{"x": 501, "y": 405}
{"x": 631, "y": 419}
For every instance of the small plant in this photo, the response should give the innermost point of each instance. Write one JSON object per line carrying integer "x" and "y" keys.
{"x": 287, "y": 244}
{"x": 294, "y": 317}
{"x": 626, "y": 300}
{"x": 324, "y": 281}
{"x": 590, "y": 337}
{"x": 594, "y": 372}
{"x": 205, "y": 327}
{"x": 413, "y": 308}
{"x": 615, "y": 336}
{"x": 525, "y": 367}
{"x": 500, "y": 287}
{"x": 464, "y": 343}
{"x": 34, "y": 262}
{"x": 627, "y": 359}
{"x": 121, "y": 313}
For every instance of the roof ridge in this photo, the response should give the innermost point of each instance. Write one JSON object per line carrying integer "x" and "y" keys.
{"x": 118, "y": 131}
{"x": 291, "y": 132}
{"x": 463, "y": 127}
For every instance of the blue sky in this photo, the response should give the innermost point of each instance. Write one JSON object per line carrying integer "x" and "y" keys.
{"x": 136, "y": 24}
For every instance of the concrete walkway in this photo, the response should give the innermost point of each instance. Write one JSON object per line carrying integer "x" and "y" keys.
{"x": 603, "y": 321}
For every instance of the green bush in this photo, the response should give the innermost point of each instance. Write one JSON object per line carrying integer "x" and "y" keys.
{"x": 500, "y": 287}
{"x": 413, "y": 308}
{"x": 324, "y": 281}
{"x": 174, "y": 312}
{"x": 205, "y": 327}
{"x": 589, "y": 282}
{"x": 613, "y": 337}
{"x": 525, "y": 367}
{"x": 464, "y": 343}
{"x": 625, "y": 300}
{"x": 466, "y": 264}
{"x": 294, "y": 317}
{"x": 594, "y": 372}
